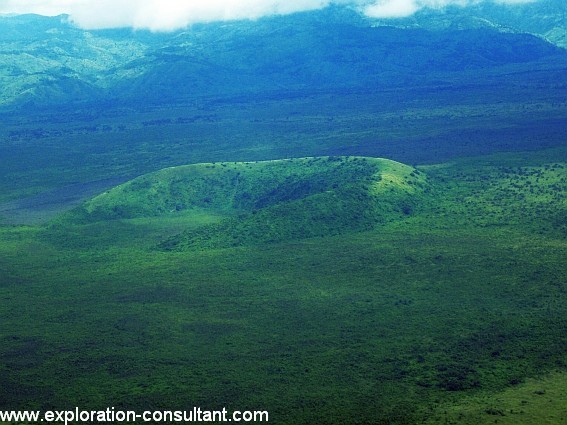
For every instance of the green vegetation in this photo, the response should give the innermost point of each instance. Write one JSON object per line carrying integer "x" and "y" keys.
{"x": 120, "y": 104}
{"x": 537, "y": 401}
{"x": 272, "y": 201}
{"x": 60, "y": 149}
{"x": 457, "y": 292}
{"x": 331, "y": 287}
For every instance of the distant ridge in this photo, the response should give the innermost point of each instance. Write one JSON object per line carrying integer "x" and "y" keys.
{"x": 543, "y": 18}
{"x": 47, "y": 61}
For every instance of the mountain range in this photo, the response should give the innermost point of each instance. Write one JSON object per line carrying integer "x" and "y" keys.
{"x": 49, "y": 61}
{"x": 544, "y": 18}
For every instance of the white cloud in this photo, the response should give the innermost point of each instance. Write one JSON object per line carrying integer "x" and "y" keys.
{"x": 163, "y": 15}
{"x": 403, "y": 8}
{"x": 172, "y": 14}
{"x": 392, "y": 8}
{"x": 515, "y": 1}
{"x": 157, "y": 14}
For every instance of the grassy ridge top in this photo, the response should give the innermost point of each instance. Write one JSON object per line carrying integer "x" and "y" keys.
{"x": 266, "y": 201}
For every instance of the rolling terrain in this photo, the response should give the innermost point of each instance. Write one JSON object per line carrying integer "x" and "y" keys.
{"x": 335, "y": 219}
{"x": 132, "y": 301}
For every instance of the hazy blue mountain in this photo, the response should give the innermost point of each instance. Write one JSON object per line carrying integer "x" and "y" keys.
{"x": 544, "y": 18}
{"x": 287, "y": 56}
{"x": 49, "y": 61}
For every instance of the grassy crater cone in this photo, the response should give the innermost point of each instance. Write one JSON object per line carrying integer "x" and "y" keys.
{"x": 268, "y": 201}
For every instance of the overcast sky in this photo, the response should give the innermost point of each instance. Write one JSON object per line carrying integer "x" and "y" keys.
{"x": 164, "y": 15}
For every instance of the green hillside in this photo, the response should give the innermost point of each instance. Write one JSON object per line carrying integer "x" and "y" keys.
{"x": 267, "y": 201}
{"x": 441, "y": 314}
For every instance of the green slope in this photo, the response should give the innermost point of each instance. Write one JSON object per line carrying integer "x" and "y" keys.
{"x": 376, "y": 325}
{"x": 441, "y": 317}
{"x": 268, "y": 201}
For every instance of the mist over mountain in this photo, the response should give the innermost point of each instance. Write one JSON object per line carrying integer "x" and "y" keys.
{"x": 49, "y": 61}
{"x": 547, "y": 18}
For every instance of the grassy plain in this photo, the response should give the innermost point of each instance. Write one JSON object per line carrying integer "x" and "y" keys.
{"x": 537, "y": 401}
{"x": 452, "y": 307}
